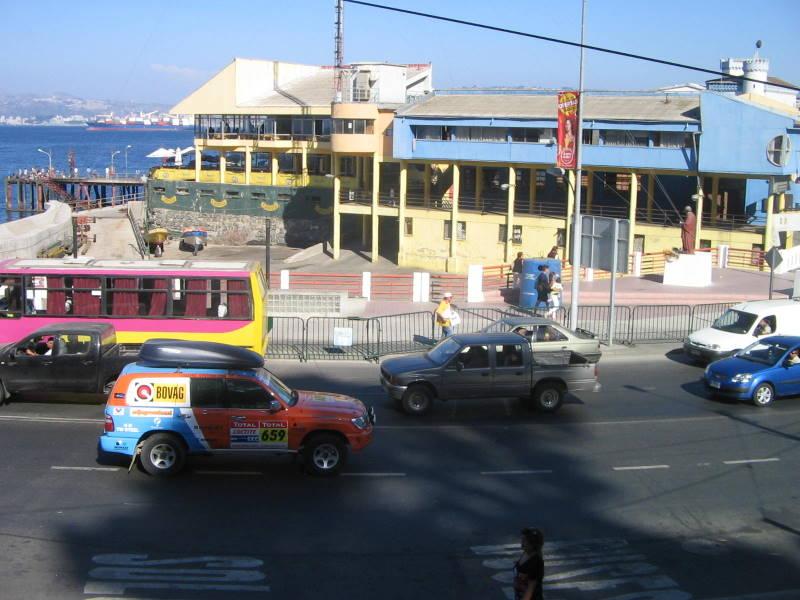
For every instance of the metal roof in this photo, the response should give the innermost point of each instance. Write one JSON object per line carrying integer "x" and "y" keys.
{"x": 660, "y": 107}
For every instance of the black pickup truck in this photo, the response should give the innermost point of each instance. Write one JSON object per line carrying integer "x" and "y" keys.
{"x": 486, "y": 365}
{"x": 66, "y": 357}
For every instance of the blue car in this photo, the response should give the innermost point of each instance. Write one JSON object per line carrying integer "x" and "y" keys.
{"x": 766, "y": 369}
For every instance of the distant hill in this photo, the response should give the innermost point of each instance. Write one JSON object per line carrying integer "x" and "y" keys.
{"x": 43, "y": 107}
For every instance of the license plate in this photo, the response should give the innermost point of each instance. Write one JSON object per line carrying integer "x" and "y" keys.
{"x": 714, "y": 384}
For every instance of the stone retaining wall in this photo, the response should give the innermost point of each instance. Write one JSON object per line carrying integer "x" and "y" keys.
{"x": 237, "y": 230}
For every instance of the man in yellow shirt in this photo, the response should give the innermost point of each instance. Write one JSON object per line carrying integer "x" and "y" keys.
{"x": 443, "y": 313}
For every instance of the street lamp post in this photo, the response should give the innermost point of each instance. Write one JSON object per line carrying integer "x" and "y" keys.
{"x": 113, "y": 154}
{"x": 576, "y": 225}
{"x": 128, "y": 147}
{"x": 49, "y": 160}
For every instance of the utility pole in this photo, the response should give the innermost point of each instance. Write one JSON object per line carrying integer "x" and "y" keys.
{"x": 339, "y": 50}
{"x": 576, "y": 225}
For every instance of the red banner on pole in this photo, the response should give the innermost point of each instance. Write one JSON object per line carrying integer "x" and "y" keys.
{"x": 567, "y": 154}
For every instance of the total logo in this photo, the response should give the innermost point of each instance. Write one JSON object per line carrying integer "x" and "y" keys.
{"x": 144, "y": 392}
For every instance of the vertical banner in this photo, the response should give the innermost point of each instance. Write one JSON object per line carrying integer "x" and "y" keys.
{"x": 567, "y": 153}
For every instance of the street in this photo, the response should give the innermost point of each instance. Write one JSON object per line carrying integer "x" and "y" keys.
{"x": 645, "y": 490}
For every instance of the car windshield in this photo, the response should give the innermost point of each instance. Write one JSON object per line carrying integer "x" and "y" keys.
{"x": 283, "y": 391}
{"x": 765, "y": 353}
{"x": 443, "y": 351}
{"x": 735, "y": 321}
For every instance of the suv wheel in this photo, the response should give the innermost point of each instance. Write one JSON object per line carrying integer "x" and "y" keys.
{"x": 417, "y": 400}
{"x": 763, "y": 395}
{"x": 547, "y": 397}
{"x": 163, "y": 454}
{"x": 324, "y": 455}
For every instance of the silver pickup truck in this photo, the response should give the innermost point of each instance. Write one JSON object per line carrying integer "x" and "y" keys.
{"x": 486, "y": 365}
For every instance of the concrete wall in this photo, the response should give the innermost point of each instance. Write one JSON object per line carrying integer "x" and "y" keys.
{"x": 26, "y": 237}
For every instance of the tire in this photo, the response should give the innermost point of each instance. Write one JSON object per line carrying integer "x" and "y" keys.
{"x": 763, "y": 395}
{"x": 548, "y": 397}
{"x": 163, "y": 455}
{"x": 324, "y": 455}
{"x": 417, "y": 400}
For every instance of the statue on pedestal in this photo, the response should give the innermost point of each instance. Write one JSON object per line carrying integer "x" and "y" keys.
{"x": 688, "y": 229}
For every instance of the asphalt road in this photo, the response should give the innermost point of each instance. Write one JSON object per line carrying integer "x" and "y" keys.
{"x": 645, "y": 490}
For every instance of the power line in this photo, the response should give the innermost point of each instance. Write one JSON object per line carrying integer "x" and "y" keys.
{"x": 568, "y": 43}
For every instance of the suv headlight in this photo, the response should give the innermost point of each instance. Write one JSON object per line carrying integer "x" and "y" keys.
{"x": 742, "y": 378}
{"x": 361, "y": 422}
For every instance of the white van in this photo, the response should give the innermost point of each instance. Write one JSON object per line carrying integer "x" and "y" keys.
{"x": 741, "y": 325}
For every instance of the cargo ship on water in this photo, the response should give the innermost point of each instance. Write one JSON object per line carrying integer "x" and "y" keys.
{"x": 152, "y": 121}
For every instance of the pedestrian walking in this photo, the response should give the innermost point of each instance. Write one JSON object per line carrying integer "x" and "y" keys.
{"x": 516, "y": 270}
{"x": 529, "y": 568}
{"x": 555, "y": 294}
{"x": 446, "y": 317}
{"x": 543, "y": 288}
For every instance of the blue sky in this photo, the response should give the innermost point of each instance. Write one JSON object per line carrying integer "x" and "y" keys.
{"x": 159, "y": 51}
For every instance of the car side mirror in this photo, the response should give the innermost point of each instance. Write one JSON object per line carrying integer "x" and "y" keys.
{"x": 275, "y": 406}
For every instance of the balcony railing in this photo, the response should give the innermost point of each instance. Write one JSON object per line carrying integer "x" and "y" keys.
{"x": 261, "y": 137}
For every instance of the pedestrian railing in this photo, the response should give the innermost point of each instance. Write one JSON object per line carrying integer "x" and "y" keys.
{"x": 369, "y": 338}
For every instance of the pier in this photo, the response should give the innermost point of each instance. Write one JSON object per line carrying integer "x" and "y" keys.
{"x": 29, "y": 192}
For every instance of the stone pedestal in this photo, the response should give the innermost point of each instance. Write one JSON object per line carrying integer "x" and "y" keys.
{"x": 690, "y": 270}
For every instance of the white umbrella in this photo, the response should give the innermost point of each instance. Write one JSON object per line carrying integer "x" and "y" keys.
{"x": 161, "y": 153}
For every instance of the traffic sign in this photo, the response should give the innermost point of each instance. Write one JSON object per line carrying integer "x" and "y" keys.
{"x": 773, "y": 258}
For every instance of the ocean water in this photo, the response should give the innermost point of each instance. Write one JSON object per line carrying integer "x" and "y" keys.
{"x": 18, "y": 150}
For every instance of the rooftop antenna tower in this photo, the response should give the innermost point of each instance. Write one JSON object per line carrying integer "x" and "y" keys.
{"x": 339, "y": 49}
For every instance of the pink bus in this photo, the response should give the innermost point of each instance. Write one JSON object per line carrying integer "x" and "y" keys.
{"x": 220, "y": 301}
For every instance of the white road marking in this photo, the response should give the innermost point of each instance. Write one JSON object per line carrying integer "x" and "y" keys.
{"x": 750, "y": 460}
{"x": 641, "y": 468}
{"x": 364, "y": 474}
{"x": 60, "y": 468}
{"x": 48, "y": 419}
{"x": 519, "y": 472}
{"x": 251, "y": 473}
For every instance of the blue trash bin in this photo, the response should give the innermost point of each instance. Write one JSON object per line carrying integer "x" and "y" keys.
{"x": 528, "y": 296}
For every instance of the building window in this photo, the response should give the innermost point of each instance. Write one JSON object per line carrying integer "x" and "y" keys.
{"x": 353, "y": 126}
{"x": 778, "y": 150}
{"x": 347, "y": 166}
{"x": 561, "y": 237}
{"x": 516, "y": 234}
{"x": 428, "y": 132}
{"x": 409, "y": 230}
{"x": 461, "y": 230}
{"x": 672, "y": 139}
{"x": 625, "y": 137}
{"x": 502, "y": 233}
{"x": 287, "y": 162}
{"x": 234, "y": 161}
{"x": 479, "y": 134}
{"x": 302, "y": 128}
{"x": 531, "y": 135}
{"x": 261, "y": 161}
{"x": 319, "y": 164}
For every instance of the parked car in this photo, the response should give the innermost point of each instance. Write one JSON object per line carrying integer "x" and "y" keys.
{"x": 185, "y": 398}
{"x": 66, "y": 357}
{"x": 547, "y": 335}
{"x": 765, "y": 370}
{"x": 485, "y": 365}
{"x": 740, "y": 325}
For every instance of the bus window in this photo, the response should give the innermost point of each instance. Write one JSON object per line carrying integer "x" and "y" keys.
{"x": 11, "y": 296}
{"x": 86, "y": 296}
{"x": 124, "y": 296}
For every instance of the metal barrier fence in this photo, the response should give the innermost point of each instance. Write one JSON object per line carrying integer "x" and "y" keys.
{"x": 357, "y": 338}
